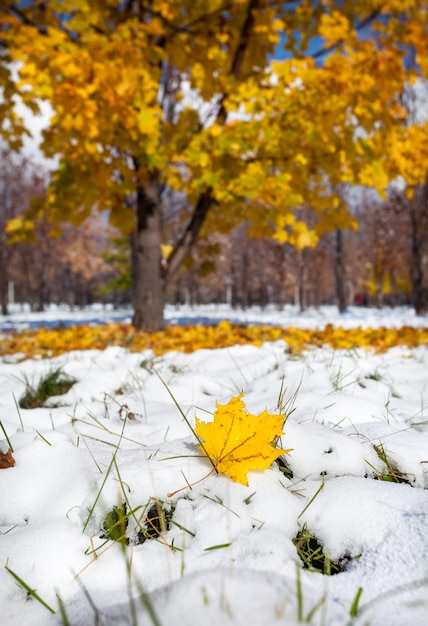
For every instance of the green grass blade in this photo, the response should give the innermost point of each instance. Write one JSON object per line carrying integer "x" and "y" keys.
{"x": 183, "y": 528}
{"x": 248, "y": 500}
{"x": 28, "y": 589}
{"x": 311, "y": 500}
{"x": 64, "y": 616}
{"x": 145, "y": 599}
{"x": 19, "y": 412}
{"x": 44, "y": 438}
{"x": 317, "y": 606}
{"x": 299, "y": 593}
{"x": 112, "y": 462}
{"x": 217, "y": 547}
{"x": 354, "y": 607}
{"x": 7, "y": 438}
{"x": 184, "y": 416}
{"x": 128, "y": 504}
{"x": 91, "y": 510}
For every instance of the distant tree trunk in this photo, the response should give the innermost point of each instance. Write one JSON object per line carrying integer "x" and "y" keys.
{"x": 148, "y": 279}
{"x": 302, "y": 280}
{"x": 280, "y": 297}
{"x": 42, "y": 297}
{"x": 245, "y": 290}
{"x": 340, "y": 272}
{"x": 3, "y": 281}
{"x": 419, "y": 235}
{"x": 40, "y": 303}
{"x": 3, "y": 262}
{"x": 3, "y": 293}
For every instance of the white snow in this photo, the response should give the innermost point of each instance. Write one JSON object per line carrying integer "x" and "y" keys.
{"x": 76, "y": 461}
{"x": 21, "y": 316}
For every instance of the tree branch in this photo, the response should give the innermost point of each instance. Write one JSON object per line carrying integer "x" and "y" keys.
{"x": 205, "y": 201}
{"x": 238, "y": 57}
{"x": 185, "y": 243}
{"x": 21, "y": 15}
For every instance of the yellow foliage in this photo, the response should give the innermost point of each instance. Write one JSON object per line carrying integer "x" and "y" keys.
{"x": 334, "y": 27}
{"x": 386, "y": 283}
{"x": 19, "y": 229}
{"x": 198, "y": 75}
{"x": 53, "y": 342}
{"x": 147, "y": 121}
{"x": 278, "y": 132}
{"x": 215, "y": 130}
{"x": 237, "y": 442}
{"x": 295, "y": 232}
{"x": 155, "y": 27}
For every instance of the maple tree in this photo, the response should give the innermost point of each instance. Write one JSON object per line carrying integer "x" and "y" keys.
{"x": 237, "y": 442}
{"x": 160, "y": 96}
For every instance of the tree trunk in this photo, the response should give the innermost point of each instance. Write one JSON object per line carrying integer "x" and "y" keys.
{"x": 302, "y": 280}
{"x": 149, "y": 276}
{"x": 148, "y": 280}
{"x": 3, "y": 263}
{"x": 340, "y": 272}
{"x": 3, "y": 299}
{"x": 3, "y": 284}
{"x": 419, "y": 233}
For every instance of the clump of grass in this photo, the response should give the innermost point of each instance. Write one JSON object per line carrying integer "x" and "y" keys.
{"x": 158, "y": 521}
{"x": 391, "y": 473}
{"x": 313, "y": 557}
{"x": 284, "y": 467}
{"x": 54, "y": 383}
{"x": 374, "y": 376}
{"x": 115, "y": 524}
{"x": 149, "y": 363}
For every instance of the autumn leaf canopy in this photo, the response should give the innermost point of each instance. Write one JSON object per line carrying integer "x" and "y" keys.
{"x": 231, "y": 97}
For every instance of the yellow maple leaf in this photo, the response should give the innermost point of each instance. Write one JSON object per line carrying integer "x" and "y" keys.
{"x": 237, "y": 442}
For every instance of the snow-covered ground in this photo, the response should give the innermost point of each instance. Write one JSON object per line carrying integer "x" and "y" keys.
{"x": 228, "y": 557}
{"x": 315, "y": 318}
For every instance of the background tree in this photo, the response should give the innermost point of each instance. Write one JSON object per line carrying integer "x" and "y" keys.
{"x": 81, "y": 268}
{"x": 410, "y": 199}
{"x": 412, "y": 214}
{"x": 60, "y": 266}
{"x": 418, "y": 213}
{"x": 159, "y": 95}
{"x": 20, "y": 180}
{"x": 117, "y": 256}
